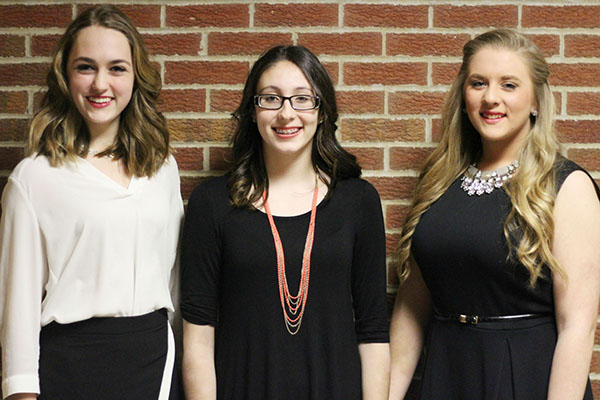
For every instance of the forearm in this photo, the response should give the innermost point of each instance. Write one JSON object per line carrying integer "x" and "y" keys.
{"x": 375, "y": 365}
{"x": 406, "y": 344}
{"x": 22, "y": 396}
{"x": 570, "y": 365}
{"x": 199, "y": 379}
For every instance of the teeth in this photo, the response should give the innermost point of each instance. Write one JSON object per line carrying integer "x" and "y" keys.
{"x": 493, "y": 116}
{"x": 287, "y": 131}
{"x": 99, "y": 99}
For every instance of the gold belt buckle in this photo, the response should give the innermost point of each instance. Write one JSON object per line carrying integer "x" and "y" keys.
{"x": 468, "y": 319}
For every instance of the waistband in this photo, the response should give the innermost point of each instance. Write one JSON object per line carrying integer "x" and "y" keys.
{"x": 476, "y": 319}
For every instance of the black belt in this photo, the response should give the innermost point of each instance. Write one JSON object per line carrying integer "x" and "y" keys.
{"x": 475, "y": 319}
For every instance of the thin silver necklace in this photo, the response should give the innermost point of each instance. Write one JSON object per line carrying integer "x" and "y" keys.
{"x": 94, "y": 152}
{"x": 476, "y": 181}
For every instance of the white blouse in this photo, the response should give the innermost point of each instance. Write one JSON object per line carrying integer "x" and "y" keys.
{"x": 74, "y": 244}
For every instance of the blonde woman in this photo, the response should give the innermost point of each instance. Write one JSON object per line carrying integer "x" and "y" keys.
{"x": 89, "y": 230}
{"x": 499, "y": 254}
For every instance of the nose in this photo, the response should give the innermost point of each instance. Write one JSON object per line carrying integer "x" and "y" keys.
{"x": 100, "y": 81}
{"x": 286, "y": 111}
{"x": 491, "y": 95}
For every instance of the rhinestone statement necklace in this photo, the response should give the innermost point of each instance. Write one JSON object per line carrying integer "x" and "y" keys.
{"x": 478, "y": 182}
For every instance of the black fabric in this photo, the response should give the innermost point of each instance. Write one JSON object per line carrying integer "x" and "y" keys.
{"x": 461, "y": 251}
{"x": 105, "y": 358}
{"x": 229, "y": 280}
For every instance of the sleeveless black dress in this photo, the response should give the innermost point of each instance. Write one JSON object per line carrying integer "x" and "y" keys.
{"x": 461, "y": 251}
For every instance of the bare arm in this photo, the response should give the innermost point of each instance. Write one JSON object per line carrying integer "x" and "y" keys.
{"x": 576, "y": 245}
{"x": 412, "y": 311}
{"x": 199, "y": 379}
{"x": 22, "y": 396}
{"x": 375, "y": 364}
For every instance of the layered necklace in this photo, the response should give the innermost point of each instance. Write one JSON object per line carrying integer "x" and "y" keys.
{"x": 475, "y": 181}
{"x": 293, "y": 306}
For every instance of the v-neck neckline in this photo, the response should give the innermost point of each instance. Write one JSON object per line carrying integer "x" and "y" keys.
{"x": 96, "y": 171}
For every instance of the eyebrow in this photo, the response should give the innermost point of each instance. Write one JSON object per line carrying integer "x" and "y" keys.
{"x": 503, "y": 78}
{"x": 278, "y": 89}
{"x": 92, "y": 61}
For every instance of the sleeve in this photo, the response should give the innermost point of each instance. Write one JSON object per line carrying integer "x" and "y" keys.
{"x": 200, "y": 261}
{"x": 23, "y": 273}
{"x": 369, "y": 271}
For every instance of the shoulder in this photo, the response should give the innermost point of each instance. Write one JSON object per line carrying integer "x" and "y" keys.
{"x": 31, "y": 170}
{"x": 356, "y": 186}
{"x": 571, "y": 177}
{"x": 215, "y": 189}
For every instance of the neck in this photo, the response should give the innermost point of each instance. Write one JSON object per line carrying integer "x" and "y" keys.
{"x": 102, "y": 136}
{"x": 496, "y": 155}
{"x": 295, "y": 173}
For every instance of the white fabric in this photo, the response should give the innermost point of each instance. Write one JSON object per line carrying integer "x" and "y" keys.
{"x": 165, "y": 385}
{"x": 74, "y": 244}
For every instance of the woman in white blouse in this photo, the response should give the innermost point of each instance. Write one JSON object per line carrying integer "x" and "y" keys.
{"x": 89, "y": 229}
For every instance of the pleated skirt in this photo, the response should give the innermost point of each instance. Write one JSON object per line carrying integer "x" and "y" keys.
{"x": 509, "y": 360}
{"x": 109, "y": 358}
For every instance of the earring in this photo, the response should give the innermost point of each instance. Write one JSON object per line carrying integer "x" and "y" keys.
{"x": 534, "y": 113}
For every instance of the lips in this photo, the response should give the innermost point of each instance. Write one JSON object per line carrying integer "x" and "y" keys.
{"x": 99, "y": 101}
{"x": 492, "y": 117}
{"x": 287, "y": 132}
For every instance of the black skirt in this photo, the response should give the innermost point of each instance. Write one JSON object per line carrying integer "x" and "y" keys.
{"x": 109, "y": 358}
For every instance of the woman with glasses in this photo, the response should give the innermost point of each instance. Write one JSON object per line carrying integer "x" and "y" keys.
{"x": 283, "y": 258}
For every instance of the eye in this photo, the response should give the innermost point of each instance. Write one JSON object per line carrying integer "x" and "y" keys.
{"x": 510, "y": 85}
{"x": 84, "y": 67}
{"x": 118, "y": 68}
{"x": 302, "y": 98}
{"x": 270, "y": 98}
{"x": 477, "y": 83}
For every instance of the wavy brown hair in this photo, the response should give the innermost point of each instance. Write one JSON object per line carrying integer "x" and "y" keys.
{"x": 58, "y": 130}
{"x": 248, "y": 175}
{"x": 529, "y": 227}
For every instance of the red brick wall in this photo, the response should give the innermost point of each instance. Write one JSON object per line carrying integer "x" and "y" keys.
{"x": 391, "y": 62}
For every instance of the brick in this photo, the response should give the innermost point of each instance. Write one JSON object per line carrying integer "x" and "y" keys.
{"x": 392, "y": 73}
{"x": 369, "y": 158}
{"x": 408, "y": 157}
{"x": 595, "y": 387}
{"x": 587, "y": 158}
{"x": 436, "y": 130}
{"x": 333, "y": 71}
{"x": 10, "y": 157}
{"x": 391, "y": 243}
{"x": 560, "y": 16}
{"x": 189, "y": 158}
{"x": 548, "y": 44}
{"x": 188, "y": 184}
{"x": 44, "y": 45}
{"x": 357, "y": 44}
{"x": 382, "y": 130}
{"x": 425, "y": 44}
{"x": 219, "y": 158}
{"x": 360, "y": 102}
{"x": 444, "y": 73}
{"x": 386, "y": 15}
{"x": 13, "y": 102}
{"x": 392, "y": 280}
{"x": 595, "y": 364}
{"x": 416, "y": 102}
{"x": 225, "y": 100}
{"x": 23, "y": 74}
{"x": 583, "y": 103}
{"x": 174, "y": 44}
{"x": 38, "y": 16}
{"x": 13, "y": 129}
{"x": 210, "y": 15}
{"x": 247, "y": 43}
{"x": 579, "y": 74}
{"x": 581, "y": 131}
{"x": 395, "y": 214}
{"x": 582, "y": 45}
{"x": 142, "y": 16}
{"x": 296, "y": 15}
{"x": 200, "y": 130}
{"x": 37, "y": 99}
{"x": 183, "y": 100}
{"x": 206, "y": 72}
{"x": 393, "y": 188}
{"x": 12, "y": 46}
{"x": 446, "y": 16}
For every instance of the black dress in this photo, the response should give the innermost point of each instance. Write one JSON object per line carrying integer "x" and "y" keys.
{"x": 461, "y": 251}
{"x": 229, "y": 280}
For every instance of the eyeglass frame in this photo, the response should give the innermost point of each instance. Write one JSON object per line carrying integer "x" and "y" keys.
{"x": 288, "y": 98}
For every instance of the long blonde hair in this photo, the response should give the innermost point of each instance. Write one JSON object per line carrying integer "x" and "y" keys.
{"x": 58, "y": 131}
{"x": 529, "y": 227}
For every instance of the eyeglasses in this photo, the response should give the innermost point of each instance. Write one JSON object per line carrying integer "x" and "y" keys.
{"x": 299, "y": 102}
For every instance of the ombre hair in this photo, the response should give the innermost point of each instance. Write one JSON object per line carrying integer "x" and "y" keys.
{"x": 58, "y": 130}
{"x": 529, "y": 227}
{"x": 248, "y": 176}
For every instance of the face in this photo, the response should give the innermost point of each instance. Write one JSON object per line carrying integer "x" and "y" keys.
{"x": 499, "y": 96}
{"x": 286, "y": 131}
{"x": 100, "y": 73}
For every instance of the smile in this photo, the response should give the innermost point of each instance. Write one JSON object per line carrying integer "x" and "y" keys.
{"x": 492, "y": 116}
{"x": 99, "y": 102}
{"x": 287, "y": 132}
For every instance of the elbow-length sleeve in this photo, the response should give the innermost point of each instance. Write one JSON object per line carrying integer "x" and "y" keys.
{"x": 23, "y": 273}
{"x": 200, "y": 260}
{"x": 369, "y": 271}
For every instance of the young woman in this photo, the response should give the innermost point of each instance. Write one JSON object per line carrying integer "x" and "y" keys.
{"x": 290, "y": 216}
{"x": 504, "y": 266}
{"x": 90, "y": 224}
